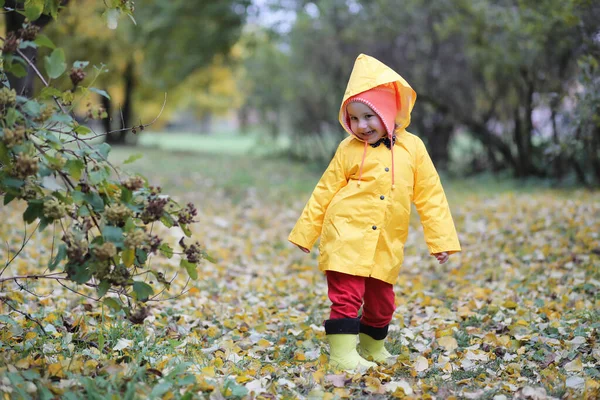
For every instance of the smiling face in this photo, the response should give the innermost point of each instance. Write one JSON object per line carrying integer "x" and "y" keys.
{"x": 365, "y": 123}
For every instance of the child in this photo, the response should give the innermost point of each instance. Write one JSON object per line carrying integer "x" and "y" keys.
{"x": 361, "y": 209}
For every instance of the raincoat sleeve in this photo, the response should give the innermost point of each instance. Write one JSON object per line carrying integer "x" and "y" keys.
{"x": 308, "y": 227}
{"x": 432, "y": 206}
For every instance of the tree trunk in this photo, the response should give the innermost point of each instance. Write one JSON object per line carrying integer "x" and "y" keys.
{"x": 107, "y": 122}
{"x": 206, "y": 123}
{"x": 521, "y": 170}
{"x": 558, "y": 170}
{"x": 243, "y": 119}
{"x": 594, "y": 152}
{"x": 14, "y": 21}
{"x": 528, "y": 131}
{"x": 125, "y": 117}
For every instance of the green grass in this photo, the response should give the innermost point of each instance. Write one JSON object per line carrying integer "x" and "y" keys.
{"x": 231, "y": 143}
{"x": 236, "y": 162}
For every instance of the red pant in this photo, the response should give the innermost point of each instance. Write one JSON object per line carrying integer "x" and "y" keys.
{"x": 348, "y": 292}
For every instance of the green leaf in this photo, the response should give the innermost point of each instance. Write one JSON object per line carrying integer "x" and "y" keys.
{"x": 95, "y": 201}
{"x": 128, "y": 257}
{"x": 113, "y": 234}
{"x": 51, "y": 8}
{"x": 167, "y": 220}
{"x": 142, "y": 290}
{"x": 60, "y": 255}
{"x": 1, "y": 3}
{"x": 13, "y": 183}
{"x": 82, "y": 273}
{"x": 32, "y": 108}
{"x": 100, "y": 92}
{"x": 102, "y": 150}
{"x": 75, "y": 168}
{"x": 190, "y": 268}
{"x": 126, "y": 195}
{"x": 4, "y": 154}
{"x": 166, "y": 250}
{"x": 208, "y": 258}
{"x": 98, "y": 176}
{"x": 186, "y": 230}
{"x": 44, "y": 41}
{"x": 82, "y": 130}
{"x": 80, "y": 64}
{"x": 17, "y": 70}
{"x": 8, "y": 320}
{"x": 44, "y": 222}
{"x": 114, "y": 304}
{"x": 159, "y": 390}
{"x": 33, "y": 9}
{"x": 33, "y": 211}
{"x": 141, "y": 256}
{"x": 8, "y": 198}
{"x": 103, "y": 288}
{"x": 12, "y": 115}
{"x": 26, "y": 43}
{"x": 55, "y": 64}
{"x": 133, "y": 157}
{"x": 61, "y": 118}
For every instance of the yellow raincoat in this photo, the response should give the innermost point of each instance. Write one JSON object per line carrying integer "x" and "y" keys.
{"x": 363, "y": 227}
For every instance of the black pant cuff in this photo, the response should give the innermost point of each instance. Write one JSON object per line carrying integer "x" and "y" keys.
{"x": 375, "y": 333}
{"x": 342, "y": 325}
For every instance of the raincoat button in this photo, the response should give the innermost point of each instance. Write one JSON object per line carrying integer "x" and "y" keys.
{"x": 382, "y": 197}
{"x": 387, "y": 169}
{"x": 374, "y": 227}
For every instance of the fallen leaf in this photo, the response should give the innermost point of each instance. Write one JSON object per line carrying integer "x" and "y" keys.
{"x": 420, "y": 364}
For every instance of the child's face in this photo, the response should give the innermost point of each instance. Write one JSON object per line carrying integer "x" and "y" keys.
{"x": 365, "y": 123}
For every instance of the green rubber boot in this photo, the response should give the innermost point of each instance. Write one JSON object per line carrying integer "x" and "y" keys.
{"x": 343, "y": 354}
{"x": 373, "y": 349}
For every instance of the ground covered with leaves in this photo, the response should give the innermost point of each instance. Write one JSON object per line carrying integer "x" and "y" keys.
{"x": 515, "y": 315}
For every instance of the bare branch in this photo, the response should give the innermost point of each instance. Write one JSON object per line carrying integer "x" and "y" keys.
{"x": 25, "y": 241}
{"x": 76, "y": 292}
{"x": 46, "y": 276}
{"x": 29, "y": 317}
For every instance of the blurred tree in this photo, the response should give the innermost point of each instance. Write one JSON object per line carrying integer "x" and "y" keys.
{"x": 265, "y": 79}
{"x": 171, "y": 41}
{"x": 491, "y": 68}
{"x": 15, "y": 21}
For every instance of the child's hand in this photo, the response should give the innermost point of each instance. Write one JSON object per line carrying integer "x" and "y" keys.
{"x": 441, "y": 257}
{"x": 304, "y": 249}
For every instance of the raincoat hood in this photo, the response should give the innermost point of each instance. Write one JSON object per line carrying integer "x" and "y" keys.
{"x": 368, "y": 73}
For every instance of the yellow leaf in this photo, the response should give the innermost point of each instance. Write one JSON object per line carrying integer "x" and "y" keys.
{"x": 243, "y": 379}
{"x": 128, "y": 257}
{"x": 263, "y": 343}
{"x": 465, "y": 312}
{"x": 448, "y": 342}
{"x": 229, "y": 324}
{"x": 209, "y": 371}
{"x": 203, "y": 385}
{"x": 212, "y": 331}
{"x": 22, "y": 363}
{"x": 443, "y": 332}
{"x": 30, "y": 335}
{"x": 299, "y": 356}
{"x": 510, "y": 304}
{"x": 56, "y": 370}
{"x": 51, "y": 318}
